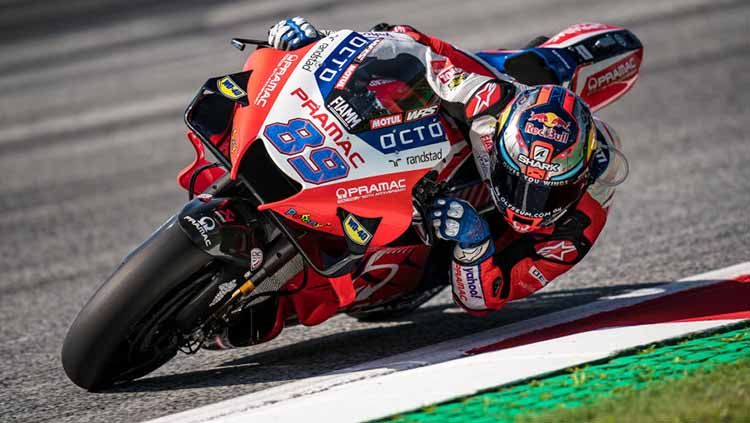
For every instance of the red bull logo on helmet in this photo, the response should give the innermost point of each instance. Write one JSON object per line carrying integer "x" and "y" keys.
{"x": 553, "y": 127}
{"x": 550, "y": 120}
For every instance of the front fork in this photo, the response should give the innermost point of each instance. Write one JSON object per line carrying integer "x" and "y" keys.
{"x": 248, "y": 249}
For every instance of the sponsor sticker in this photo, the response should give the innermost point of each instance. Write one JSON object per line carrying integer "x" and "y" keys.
{"x": 361, "y": 192}
{"x": 386, "y": 121}
{"x": 537, "y": 215}
{"x": 315, "y": 59}
{"x": 425, "y": 157}
{"x": 617, "y": 72}
{"x": 273, "y": 81}
{"x": 233, "y": 142}
{"x": 467, "y": 286}
{"x": 256, "y": 258}
{"x": 204, "y": 226}
{"x": 409, "y": 135}
{"x": 448, "y": 73}
{"x": 521, "y": 227}
{"x": 344, "y": 112}
{"x": 485, "y": 97}
{"x": 363, "y": 55}
{"x": 470, "y": 255}
{"x": 305, "y": 218}
{"x": 457, "y": 80}
{"x": 550, "y": 120}
{"x": 547, "y": 133}
{"x": 229, "y": 89}
{"x": 417, "y": 114}
{"x": 487, "y": 142}
{"x": 563, "y": 250}
{"x": 333, "y": 65}
{"x": 345, "y": 76}
{"x": 538, "y": 275}
{"x": 540, "y": 159}
{"x": 355, "y": 231}
{"x": 553, "y": 127}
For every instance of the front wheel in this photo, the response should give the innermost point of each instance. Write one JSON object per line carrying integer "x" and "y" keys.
{"x": 125, "y": 330}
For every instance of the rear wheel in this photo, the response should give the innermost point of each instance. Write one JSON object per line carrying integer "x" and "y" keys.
{"x": 126, "y": 329}
{"x": 536, "y": 42}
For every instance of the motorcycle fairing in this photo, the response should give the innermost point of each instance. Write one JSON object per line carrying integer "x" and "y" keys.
{"x": 205, "y": 178}
{"x": 301, "y": 136}
{"x": 209, "y": 116}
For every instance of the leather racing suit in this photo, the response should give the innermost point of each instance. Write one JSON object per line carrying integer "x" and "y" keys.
{"x": 473, "y": 93}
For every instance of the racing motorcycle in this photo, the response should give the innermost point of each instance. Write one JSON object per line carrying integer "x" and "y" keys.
{"x": 306, "y": 180}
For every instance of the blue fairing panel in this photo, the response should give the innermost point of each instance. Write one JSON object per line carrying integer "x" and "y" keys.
{"x": 495, "y": 58}
{"x": 557, "y": 60}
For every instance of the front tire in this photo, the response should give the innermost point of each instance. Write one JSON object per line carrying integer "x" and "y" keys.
{"x": 123, "y": 331}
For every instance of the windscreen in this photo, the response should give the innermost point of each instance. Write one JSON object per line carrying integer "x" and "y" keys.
{"x": 382, "y": 92}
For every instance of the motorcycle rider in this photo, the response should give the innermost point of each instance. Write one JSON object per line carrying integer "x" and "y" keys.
{"x": 543, "y": 157}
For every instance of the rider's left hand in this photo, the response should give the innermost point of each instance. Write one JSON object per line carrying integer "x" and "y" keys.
{"x": 291, "y": 34}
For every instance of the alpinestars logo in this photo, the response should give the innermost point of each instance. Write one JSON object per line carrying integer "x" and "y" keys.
{"x": 558, "y": 250}
{"x": 470, "y": 255}
{"x": 484, "y": 98}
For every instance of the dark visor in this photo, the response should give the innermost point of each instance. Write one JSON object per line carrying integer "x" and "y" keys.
{"x": 529, "y": 197}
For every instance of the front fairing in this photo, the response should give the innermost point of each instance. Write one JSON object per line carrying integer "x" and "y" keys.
{"x": 343, "y": 160}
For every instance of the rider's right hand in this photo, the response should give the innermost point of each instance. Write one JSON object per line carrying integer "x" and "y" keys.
{"x": 291, "y": 34}
{"x": 456, "y": 220}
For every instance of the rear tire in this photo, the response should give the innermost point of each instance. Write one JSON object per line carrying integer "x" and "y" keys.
{"x": 536, "y": 42}
{"x": 123, "y": 331}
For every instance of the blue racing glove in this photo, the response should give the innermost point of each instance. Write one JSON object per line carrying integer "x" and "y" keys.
{"x": 456, "y": 220}
{"x": 291, "y": 34}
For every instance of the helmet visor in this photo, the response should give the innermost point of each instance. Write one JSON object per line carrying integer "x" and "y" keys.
{"x": 531, "y": 197}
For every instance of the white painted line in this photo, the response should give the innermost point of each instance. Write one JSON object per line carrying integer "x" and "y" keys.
{"x": 376, "y": 376}
{"x": 407, "y": 390}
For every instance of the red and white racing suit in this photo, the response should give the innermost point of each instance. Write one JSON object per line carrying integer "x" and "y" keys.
{"x": 474, "y": 94}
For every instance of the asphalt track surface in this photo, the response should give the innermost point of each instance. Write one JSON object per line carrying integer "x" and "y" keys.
{"x": 91, "y": 137}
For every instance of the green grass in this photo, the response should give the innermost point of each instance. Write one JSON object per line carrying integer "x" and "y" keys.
{"x": 699, "y": 378}
{"x": 719, "y": 395}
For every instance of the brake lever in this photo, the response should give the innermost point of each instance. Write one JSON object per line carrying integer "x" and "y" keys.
{"x": 424, "y": 194}
{"x": 241, "y": 43}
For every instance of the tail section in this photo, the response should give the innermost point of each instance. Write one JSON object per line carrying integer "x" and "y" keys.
{"x": 608, "y": 60}
{"x": 598, "y": 62}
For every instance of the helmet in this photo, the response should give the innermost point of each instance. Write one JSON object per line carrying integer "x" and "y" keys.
{"x": 544, "y": 142}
